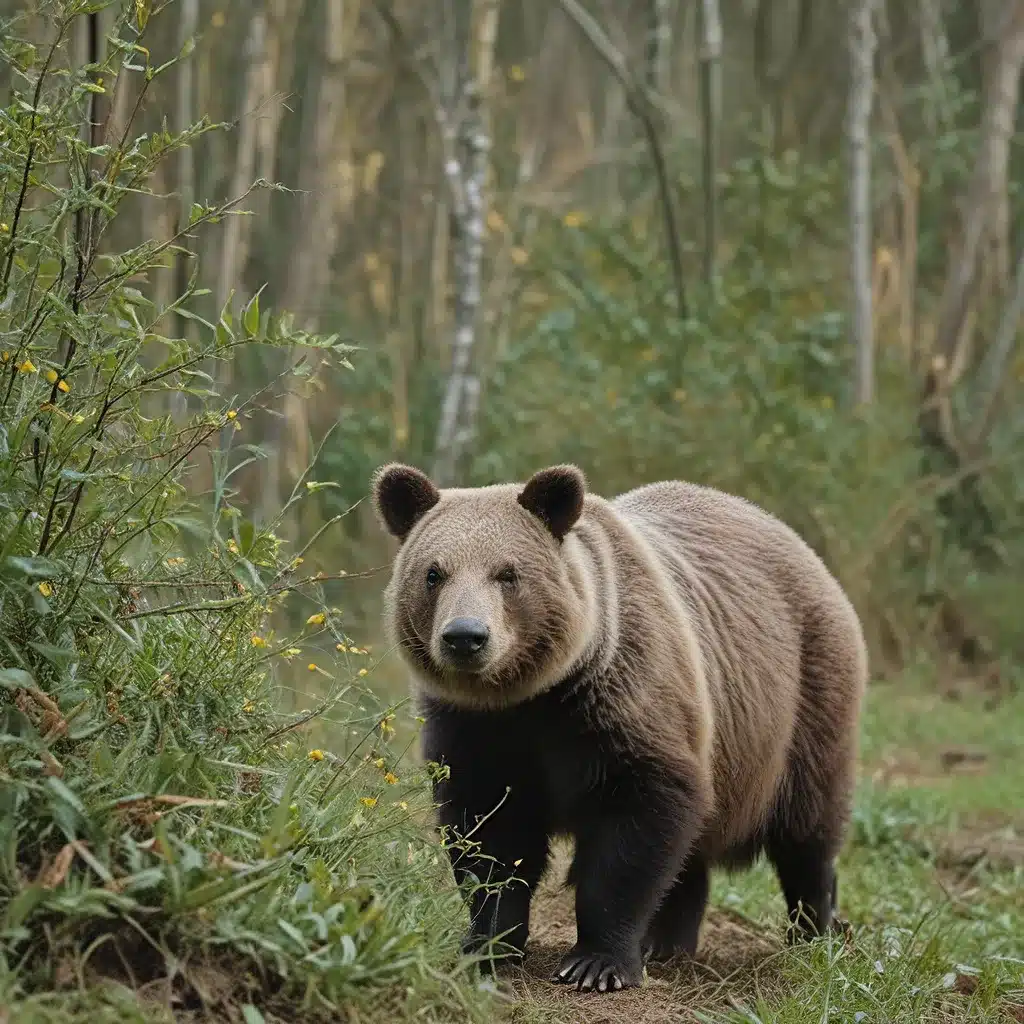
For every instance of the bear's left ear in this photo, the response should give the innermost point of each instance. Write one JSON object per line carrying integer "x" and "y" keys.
{"x": 402, "y": 496}
{"x": 555, "y": 497}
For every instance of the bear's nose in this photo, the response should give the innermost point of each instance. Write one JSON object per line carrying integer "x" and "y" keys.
{"x": 465, "y": 636}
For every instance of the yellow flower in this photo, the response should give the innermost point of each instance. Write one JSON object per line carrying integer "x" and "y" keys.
{"x": 232, "y": 414}
{"x": 386, "y": 728}
{"x": 257, "y": 641}
{"x": 311, "y": 666}
{"x": 298, "y": 560}
{"x": 402, "y": 805}
{"x": 45, "y": 589}
{"x": 5, "y": 356}
{"x": 51, "y": 376}
{"x": 292, "y": 651}
{"x": 27, "y": 367}
{"x": 519, "y": 255}
{"x": 516, "y": 73}
{"x": 362, "y": 672}
{"x": 316, "y": 755}
{"x": 390, "y": 779}
{"x": 316, "y": 620}
{"x": 573, "y": 219}
{"x": 380, "y": 762}
{"x": 340, "y": 647}
{"x": 248, "y": 707}
{"x": 63, "y": 385}
{"x": 368, "y": 801}
{"x": 232, "y": 547}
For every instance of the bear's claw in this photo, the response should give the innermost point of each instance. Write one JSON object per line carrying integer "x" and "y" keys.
{"x": 600, "y": 972}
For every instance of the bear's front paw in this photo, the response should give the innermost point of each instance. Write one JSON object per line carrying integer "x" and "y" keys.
{"x": 601, "y": 972}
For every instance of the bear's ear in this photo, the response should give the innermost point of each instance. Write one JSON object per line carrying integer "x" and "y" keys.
{"x": 555, "y": 497}
{"x": 402, "y": 495}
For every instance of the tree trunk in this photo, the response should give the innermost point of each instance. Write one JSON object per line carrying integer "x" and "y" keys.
{"x": 987, "y": 190}
{"x": 862, "y": 77}
{"x": 466, "y": 164}
{"x": 188, "y": 27}
{"x": 710, "y": 116}
{"x": 326, "y": 187}
{"x": 234, "y": 252}
{"x": 658, "y": 45}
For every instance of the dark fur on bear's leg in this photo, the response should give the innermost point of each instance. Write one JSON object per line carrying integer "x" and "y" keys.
{"x": 623, "y": 866}
{"x": 676, "y": 924}
{"x": 497, "y": 837}
{"x": 806, "y": 871}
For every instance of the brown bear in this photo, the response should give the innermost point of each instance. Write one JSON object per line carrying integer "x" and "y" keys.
{"x": 672, "y": 678}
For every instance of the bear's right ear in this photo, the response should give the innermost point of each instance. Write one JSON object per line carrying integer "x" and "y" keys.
{"x": 555, "y": 497}
{"x": 402, "y": 495}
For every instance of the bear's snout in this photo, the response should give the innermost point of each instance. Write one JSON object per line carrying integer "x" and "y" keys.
{"x": 464, "y": 638}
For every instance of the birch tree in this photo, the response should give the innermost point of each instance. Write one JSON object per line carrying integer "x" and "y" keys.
{"x": 465, "y": 128}
{"x": 710, "y": 117}
{"x": 862, "y": 53}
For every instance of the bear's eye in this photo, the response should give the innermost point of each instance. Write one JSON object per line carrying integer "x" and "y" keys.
{"x": 434, "y": 577}
{"x": 507, "y": 576}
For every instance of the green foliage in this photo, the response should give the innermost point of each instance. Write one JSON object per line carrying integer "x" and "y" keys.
{"x": 153, "y": 805}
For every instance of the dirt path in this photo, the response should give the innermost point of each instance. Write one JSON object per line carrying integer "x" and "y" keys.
{"x": 733, "y": 961}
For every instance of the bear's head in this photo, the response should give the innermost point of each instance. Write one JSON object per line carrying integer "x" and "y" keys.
{"x": 490, "y": 599}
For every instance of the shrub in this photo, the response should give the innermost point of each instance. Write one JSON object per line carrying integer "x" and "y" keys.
{"x": 158, "y": 818}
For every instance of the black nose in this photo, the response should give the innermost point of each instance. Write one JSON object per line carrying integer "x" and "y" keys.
{"x": 465, "y": 636}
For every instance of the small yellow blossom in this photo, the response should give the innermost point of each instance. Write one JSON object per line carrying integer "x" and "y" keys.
{"x": 64, "y": 386}
{"x": 390, "y": 778}
{"x": 316, "y": 620}
{"x": 45, "y": 589}
{"x": 79, "y": 418}
{"x": 292, "y": 651}
{"x": 27, "y": 367}
{"x": 232, "y": 414}
{"x": 51, "y": 376}
{"x": 5, "y": 356}
{"x": 362, "y": 672}
{"x": 257, "y": 641}
{"x": 573, "y": 219}
{"x": 316, "y": 755}
{"x": 368, "y": 801}
{"x": 386, "y": 728}
{"x": 248, "y": 707}
{"x": 379, "y": 763}
{"x": 402, "y": 805}
{"x": 520, "y": 257}
{"x": 298, "y": 560}
{"x": 340, "y": 647}
{"x": 312, "y": 666}
{"x": 232, "y": 547}
{"x": 516, "y": 73}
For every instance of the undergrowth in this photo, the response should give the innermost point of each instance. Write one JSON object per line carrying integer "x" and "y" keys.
{"x": 168, "y": 842}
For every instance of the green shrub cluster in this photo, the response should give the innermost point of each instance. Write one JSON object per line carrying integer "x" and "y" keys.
{"x": 163, "y": 829}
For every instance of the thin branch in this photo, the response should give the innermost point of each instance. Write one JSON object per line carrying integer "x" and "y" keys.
{"x": 646, "y": 106}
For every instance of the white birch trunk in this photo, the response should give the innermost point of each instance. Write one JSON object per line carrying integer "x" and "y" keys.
{"x": 467, "y": 157}
{"x": 862, "y": 52}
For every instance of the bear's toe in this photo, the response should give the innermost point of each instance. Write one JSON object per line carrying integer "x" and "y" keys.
{"x": 598, "y": 972}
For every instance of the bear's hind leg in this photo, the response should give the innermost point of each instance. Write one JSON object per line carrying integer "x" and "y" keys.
{"x": 676, "y": 923}
{"x": 806, "y": 871}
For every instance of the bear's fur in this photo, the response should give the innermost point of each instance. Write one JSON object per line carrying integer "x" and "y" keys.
{"x": 672, "y": 677}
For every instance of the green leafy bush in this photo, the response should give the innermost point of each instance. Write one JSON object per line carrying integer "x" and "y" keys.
{"x": 158, "y": 818}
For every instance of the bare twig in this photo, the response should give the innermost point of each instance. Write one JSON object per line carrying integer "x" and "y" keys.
{"x": 645, "y": 105}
